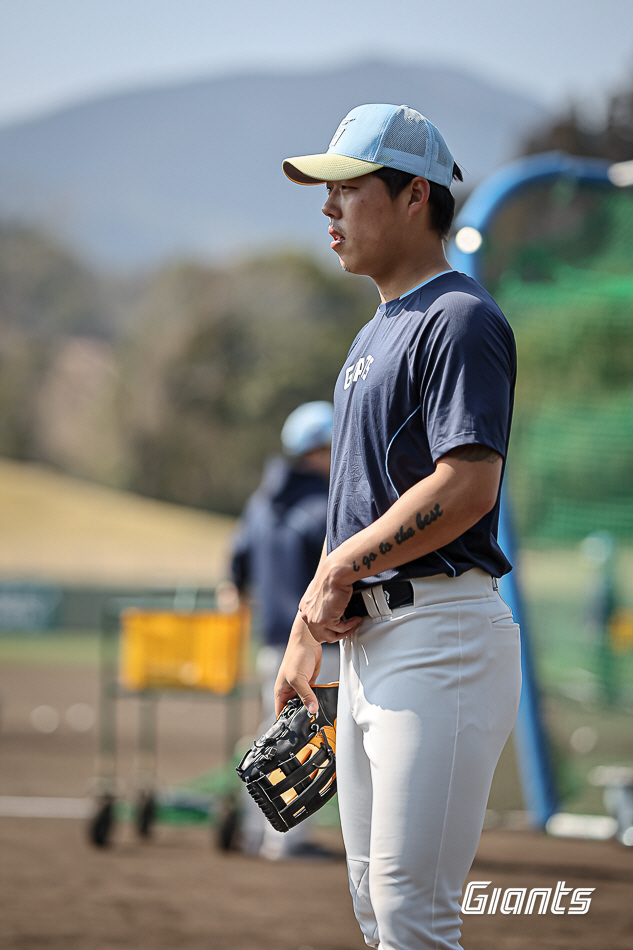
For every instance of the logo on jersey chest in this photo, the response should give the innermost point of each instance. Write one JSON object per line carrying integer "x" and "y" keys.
{"x": 357, "y": 370}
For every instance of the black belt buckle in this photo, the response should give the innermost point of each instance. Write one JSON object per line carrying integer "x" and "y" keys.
{"x": 397, "y": 594}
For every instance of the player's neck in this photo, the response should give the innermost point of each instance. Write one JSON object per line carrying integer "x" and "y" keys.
{"x": 411, "y": 274}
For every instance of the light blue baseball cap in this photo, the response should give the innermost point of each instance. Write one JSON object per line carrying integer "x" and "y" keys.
{"x": 308, "y": 427}
{"x": 374, "y": 136}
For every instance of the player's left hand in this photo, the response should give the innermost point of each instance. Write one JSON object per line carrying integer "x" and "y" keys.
{"x": 299, "y": 668}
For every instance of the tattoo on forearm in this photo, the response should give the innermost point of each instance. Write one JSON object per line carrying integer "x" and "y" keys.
{"x": 402, "y": 535}
{"x": 367, "y": 560}
{"x": 433, "y": 515}
{"x": 474, "y": 453}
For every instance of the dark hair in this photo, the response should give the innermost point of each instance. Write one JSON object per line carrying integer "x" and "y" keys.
{"x": 441, "y": 201}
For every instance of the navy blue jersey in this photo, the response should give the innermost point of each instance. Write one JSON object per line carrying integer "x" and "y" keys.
{"x": 432, "y": 371}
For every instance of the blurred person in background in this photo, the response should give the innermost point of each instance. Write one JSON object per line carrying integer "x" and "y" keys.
{"x": 276, "y": 552}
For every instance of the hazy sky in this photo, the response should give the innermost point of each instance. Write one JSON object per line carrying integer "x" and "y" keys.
{"x": 53, "y": 52}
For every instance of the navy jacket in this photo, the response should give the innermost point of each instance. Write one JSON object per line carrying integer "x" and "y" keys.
{"x": 279, "y": 543}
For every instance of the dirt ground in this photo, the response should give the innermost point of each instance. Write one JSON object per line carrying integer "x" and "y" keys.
{"x": 178, "y": 891}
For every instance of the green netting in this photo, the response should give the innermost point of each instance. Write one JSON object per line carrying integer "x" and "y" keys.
{"x": 559, "y": 259}
{"x": 573, "y": 469}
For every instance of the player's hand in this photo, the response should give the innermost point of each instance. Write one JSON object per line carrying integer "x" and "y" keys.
{"x": 299, "y": 668}
{"x": 324, "y": 603}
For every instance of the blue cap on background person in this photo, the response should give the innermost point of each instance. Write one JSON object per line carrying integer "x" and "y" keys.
{"x": 376, "y": 136}
{"x": 308, "y": 427}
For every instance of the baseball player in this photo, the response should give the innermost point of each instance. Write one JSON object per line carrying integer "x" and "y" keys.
{"x": 430, "y": 669}
{"x": 275, "y": 553}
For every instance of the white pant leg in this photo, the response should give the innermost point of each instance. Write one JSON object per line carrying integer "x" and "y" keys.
{"x": 428, "y": 698}
{"x": 354, "y": 786}
{"x": 330, "y": 664}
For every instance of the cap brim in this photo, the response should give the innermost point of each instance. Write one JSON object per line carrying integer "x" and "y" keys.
{"x": 316, "y": 169}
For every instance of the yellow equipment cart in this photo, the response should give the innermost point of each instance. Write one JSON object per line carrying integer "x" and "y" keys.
{"x": 155, "y": 647}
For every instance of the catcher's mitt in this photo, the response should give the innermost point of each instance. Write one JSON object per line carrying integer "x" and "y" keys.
{"x": 291, "y": 770}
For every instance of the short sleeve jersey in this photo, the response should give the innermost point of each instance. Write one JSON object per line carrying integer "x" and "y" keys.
{"x": 433, "y": 370}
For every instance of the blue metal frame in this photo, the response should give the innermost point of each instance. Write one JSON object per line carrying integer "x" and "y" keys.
{"x": 533, "y": 757}
{"x": 488, "y": 198}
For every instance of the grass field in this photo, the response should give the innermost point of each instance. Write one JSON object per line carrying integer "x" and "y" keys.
{"x": 57, "y": 648}
{"x": 73, "y": 532}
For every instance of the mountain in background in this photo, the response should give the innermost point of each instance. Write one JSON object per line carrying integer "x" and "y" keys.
{"x": 194, "y": 169}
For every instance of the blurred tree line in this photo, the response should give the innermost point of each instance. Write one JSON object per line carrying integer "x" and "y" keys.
{"x": 578, "y": 133}
{"x": 174, "y": 385}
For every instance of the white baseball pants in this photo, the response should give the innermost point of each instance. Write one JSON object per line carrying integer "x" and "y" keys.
{"x": 428, "y": 696}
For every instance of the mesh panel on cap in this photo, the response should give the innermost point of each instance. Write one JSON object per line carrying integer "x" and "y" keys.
{"x": 407, "y": 133}
{"x": 444, "y": 157}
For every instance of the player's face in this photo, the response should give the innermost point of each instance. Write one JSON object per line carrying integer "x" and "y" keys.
{"x": 365, "y": 225}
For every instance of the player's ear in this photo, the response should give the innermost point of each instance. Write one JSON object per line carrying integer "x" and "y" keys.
{"x": 419, "y": 190}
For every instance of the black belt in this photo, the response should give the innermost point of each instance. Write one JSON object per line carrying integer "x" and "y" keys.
{"x": 397, "y": 594}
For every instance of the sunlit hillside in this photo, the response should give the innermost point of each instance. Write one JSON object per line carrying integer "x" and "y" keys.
{"x": 70, "y": 531}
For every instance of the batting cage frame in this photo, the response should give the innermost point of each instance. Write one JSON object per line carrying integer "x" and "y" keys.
{"x": 466, "y": 253}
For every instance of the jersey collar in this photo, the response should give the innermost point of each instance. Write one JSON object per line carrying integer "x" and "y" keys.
{"x": 424, "y": 282}
{"x": 393, "y": 307}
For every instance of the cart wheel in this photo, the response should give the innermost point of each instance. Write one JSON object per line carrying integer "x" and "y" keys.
{"x": 101, "y": 824}
{"x": 228, "y": 824}
{"x": 146, "y": 814}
